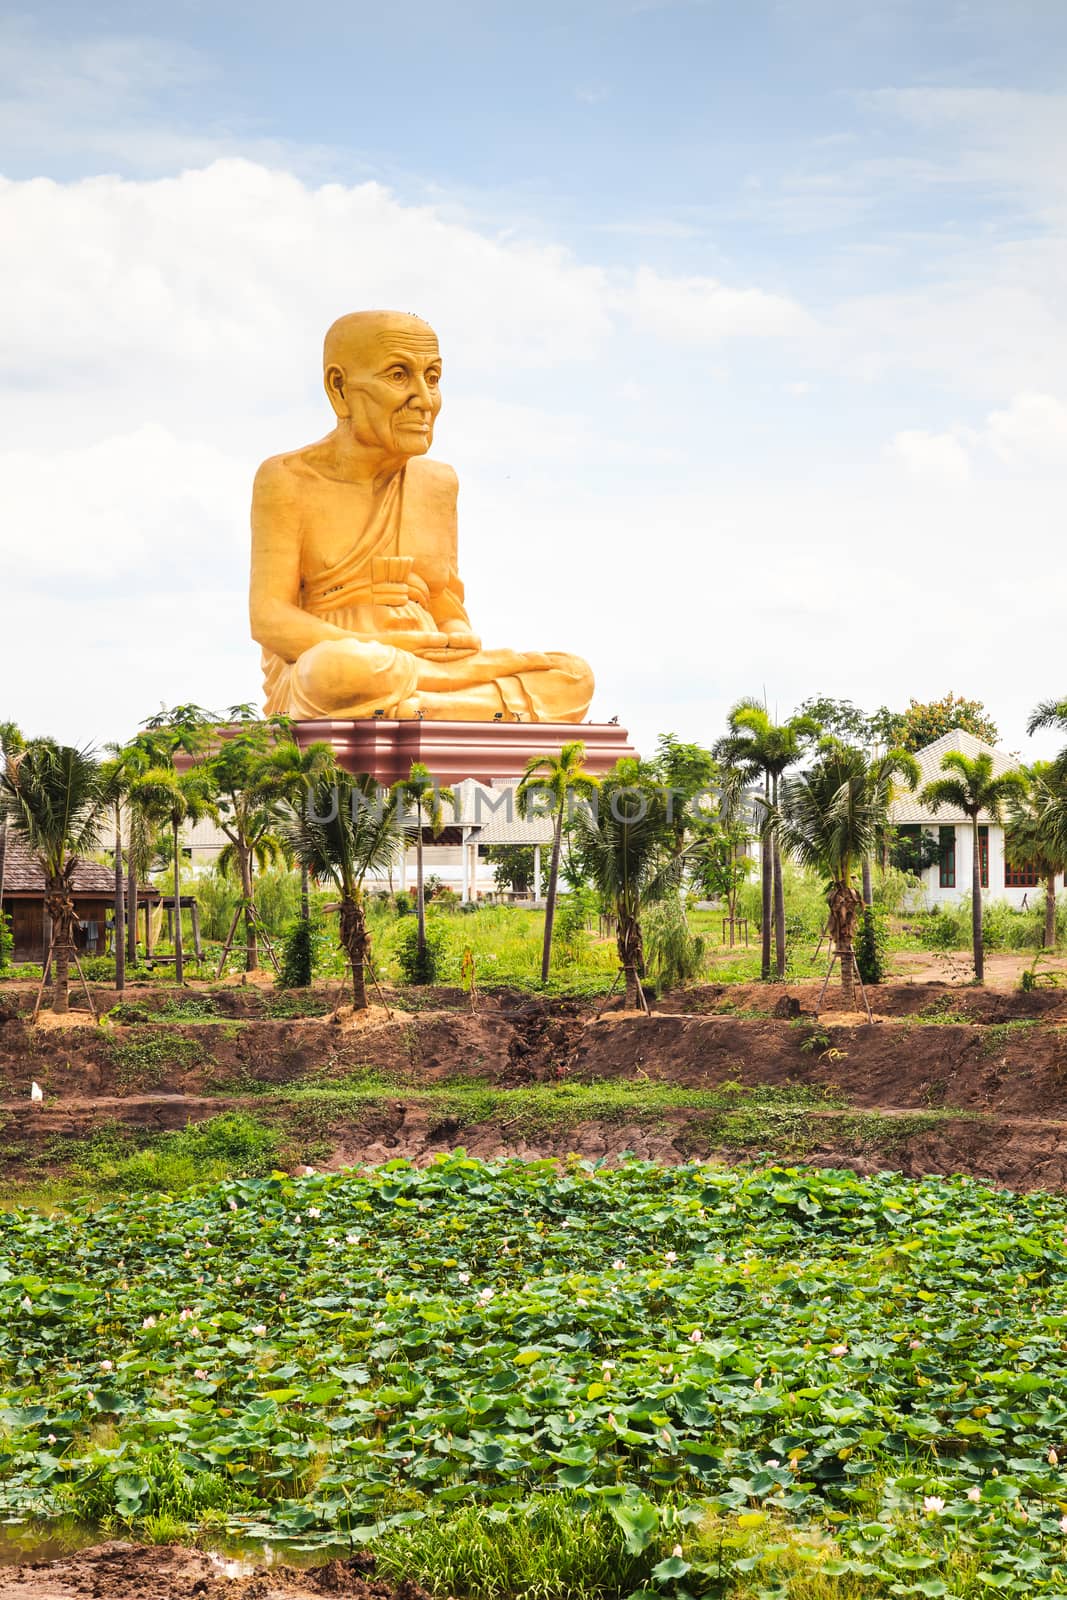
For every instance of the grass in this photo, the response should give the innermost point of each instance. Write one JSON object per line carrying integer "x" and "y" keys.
{"x": 303, "y": 1122}
{"x": 145, "y": 1057}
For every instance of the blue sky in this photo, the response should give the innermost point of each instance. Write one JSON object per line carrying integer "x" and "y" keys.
{"x": 754, "y": 325}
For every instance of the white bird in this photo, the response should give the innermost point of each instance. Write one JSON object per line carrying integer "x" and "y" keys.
{"x": 36, "y": 1094}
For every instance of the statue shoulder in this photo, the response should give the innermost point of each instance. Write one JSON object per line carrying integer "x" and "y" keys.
{"x": 435, "y": 478}
{"x": 281, "y": 475}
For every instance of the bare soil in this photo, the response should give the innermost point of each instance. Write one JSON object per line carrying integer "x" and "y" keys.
{"x": 119, "y": 1571}
{"x": 996, "y": 1057}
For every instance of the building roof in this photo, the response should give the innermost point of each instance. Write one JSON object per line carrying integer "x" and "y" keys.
{"x": 908, "y": 808}
{"x": 23, "y": 875}
{"x": 492, "y": 815}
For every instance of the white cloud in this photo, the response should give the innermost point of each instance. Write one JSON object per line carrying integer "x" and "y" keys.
{"x": 167, "y": 338}
{"x": 705, "y": 310}
{"x": 942, "y": 456}
{"x": 1031, "y": 431}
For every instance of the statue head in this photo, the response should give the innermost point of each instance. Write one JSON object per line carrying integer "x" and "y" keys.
{"x": 382, "y": 372}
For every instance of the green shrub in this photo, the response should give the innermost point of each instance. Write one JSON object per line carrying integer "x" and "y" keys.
{"x": 872, "y": 942}
{"x": 98, "y": 969}
{"x": 404, "y": 903}
{"x": 673, "y": 953}
{"x": 7, "y": 942}
{"x": 299, "y": 944}
{"x": 421, "y": 966}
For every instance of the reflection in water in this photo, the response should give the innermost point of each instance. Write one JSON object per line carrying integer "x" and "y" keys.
{"x": 51, "y": 1541}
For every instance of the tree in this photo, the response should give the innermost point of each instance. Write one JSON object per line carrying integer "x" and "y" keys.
{"x": 116, "y": 779}
{"x": 512, "y": 864}
{"x": 841, "y": 720}
{"x": 829, "y": 818}
{"x": 54, "y": 798}
{"x": 11, "y": 741}
{"x": 757, "y": 748}
{"x": 925, "y": 721}
{"x": 626, "y": 846}
{"x": 1049, "y": 714}
{"x": 972, "y": 786}
{"x": 249, "y": 788}
{"x": 347, "y": 829}
{"x": 688, "y": 772}
{"x": 555, "y": 779}
{"x": 421, "y": 791}
{"x": 1037, "y": 831}
{"x": 293, "y": 773}
{"x": 165, "y": 794}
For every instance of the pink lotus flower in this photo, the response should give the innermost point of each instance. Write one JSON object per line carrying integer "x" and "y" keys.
{"x": 200, "y": 1375}
{"x": 974, "y": 1494}
{"x": 260, "y": 1330}
{"x": 696, "y": 1336}
{"x": 933, "y": 1505}
{"x": 839, "y": 1350}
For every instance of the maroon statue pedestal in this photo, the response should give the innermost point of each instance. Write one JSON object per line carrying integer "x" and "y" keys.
{"x": 453, "y": 751}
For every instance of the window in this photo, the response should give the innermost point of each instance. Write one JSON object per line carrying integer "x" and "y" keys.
{"x": 1018, "y": 874}
{"x": 983, "y": 857}
{"x": 947, "y": 842}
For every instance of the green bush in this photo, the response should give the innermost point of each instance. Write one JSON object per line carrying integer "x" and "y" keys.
{"x": 7, "y": 942}
{"x": 404, "y": 903}
{"x": 299, "y": 944}
{"x": 98, "y": 969}
{"x": 872, "y": 942}
{"x": 421, "y": 966}
{"x": 673, "y": 953}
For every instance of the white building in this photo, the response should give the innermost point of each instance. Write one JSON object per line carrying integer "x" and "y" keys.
{"x": 948, "y": 880}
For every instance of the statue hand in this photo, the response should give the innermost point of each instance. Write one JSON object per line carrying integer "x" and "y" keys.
{"x": 463, "y": 641}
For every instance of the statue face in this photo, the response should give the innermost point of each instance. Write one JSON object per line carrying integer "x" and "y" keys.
{"x": 387, "y": 382}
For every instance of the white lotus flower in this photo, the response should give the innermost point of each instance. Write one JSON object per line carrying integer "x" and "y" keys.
{"x": 933, "y": 1505}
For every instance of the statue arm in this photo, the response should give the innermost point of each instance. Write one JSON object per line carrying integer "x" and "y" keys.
{"x": 279, "y": 623}
{"x": 446, "y": 602}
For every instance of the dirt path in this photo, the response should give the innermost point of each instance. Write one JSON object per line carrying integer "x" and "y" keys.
{"x": 120, "y": 1571}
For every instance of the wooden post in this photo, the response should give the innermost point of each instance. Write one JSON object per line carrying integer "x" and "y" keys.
{"x": 197, "y": 946}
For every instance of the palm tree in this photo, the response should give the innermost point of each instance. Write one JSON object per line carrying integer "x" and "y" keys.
{"x": 54, "y": 796}
{"x": 829, "y": 818}
{"x": 420, "y": 790}
{"x": 757, "y": 748}
{"x": 346, "y": 829}
{"x": 555, "y": 778}
{"x": 1049, "y": 714}
{"x": 250, "y": 800}
{"x": 1037, "y": 820}
{"x": 627, "y": 846}
{"x": 11, "y": 741}
{"x": 292, "y": 775}
{"x": 975, "y": 789}
{"x": 166, "y": 795}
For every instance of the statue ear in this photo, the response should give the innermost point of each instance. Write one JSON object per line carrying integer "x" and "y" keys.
{"x": 334, "y": 381}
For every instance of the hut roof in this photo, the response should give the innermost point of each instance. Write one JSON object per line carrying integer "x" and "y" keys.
{"x": 23, "y": 874}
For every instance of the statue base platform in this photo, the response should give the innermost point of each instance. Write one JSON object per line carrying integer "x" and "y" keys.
{"x": 454, "y": 751}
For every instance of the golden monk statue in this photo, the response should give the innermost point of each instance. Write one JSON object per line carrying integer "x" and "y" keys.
{"x": 355, "y": 596}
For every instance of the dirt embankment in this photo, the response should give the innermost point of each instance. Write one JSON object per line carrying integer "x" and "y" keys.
{"x": 121, "y": 1571}
{"x": 1016, "y": 1067}
{"x": 898, "y": 1080}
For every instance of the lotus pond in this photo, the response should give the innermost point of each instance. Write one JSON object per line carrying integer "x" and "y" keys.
{"x": 711, "y": 1382}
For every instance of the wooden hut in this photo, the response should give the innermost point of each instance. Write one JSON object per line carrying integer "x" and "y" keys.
{"x": 23, "y": 901}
